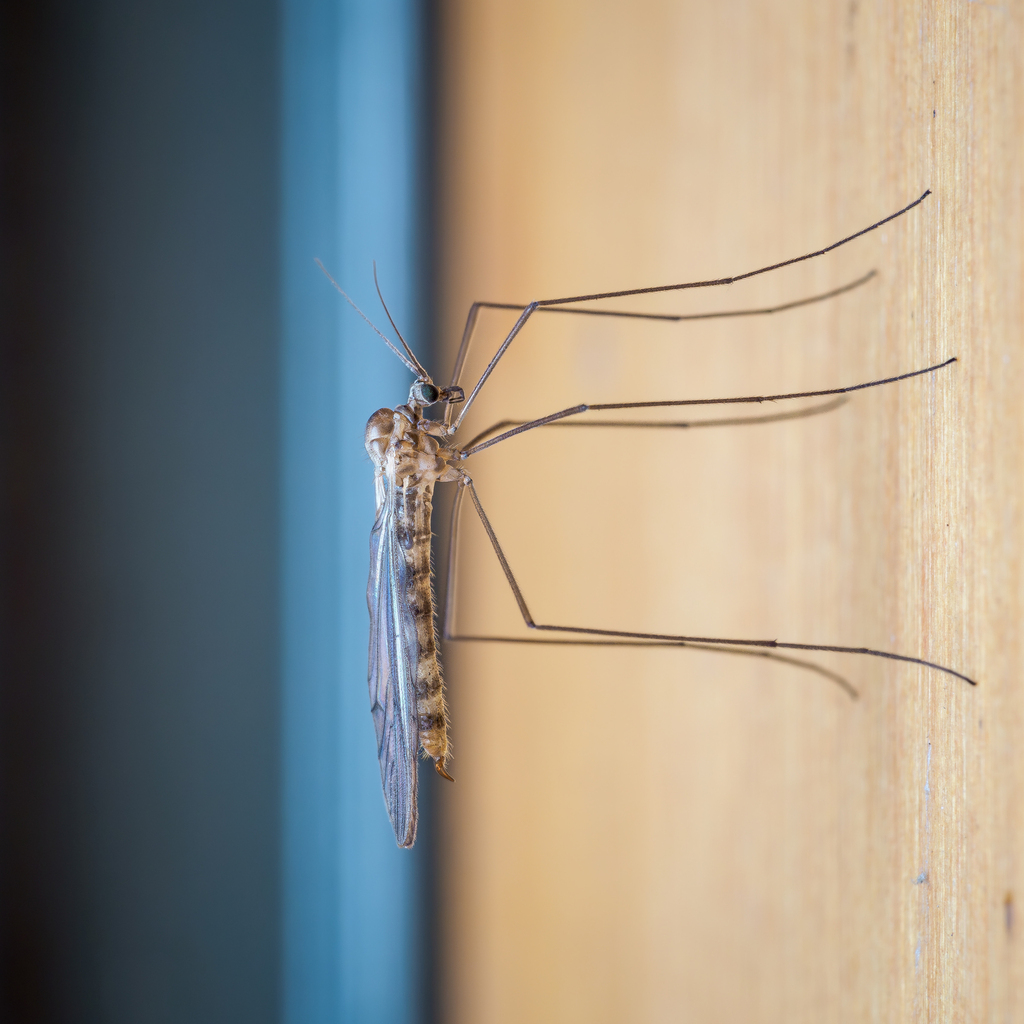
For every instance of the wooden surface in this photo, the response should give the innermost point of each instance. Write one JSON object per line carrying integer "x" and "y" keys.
{"x": 673, "y": 835}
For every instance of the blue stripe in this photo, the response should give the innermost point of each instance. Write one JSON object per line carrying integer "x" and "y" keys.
{"x": 350, "y": 75}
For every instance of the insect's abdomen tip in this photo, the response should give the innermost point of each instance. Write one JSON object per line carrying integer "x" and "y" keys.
{"x": 439, "y": 768}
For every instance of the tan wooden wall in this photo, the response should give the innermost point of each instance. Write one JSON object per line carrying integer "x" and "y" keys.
{"x": 675, "y": 835}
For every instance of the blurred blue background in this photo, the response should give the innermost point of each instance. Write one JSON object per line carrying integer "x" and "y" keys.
{"x": 191, "y": 826}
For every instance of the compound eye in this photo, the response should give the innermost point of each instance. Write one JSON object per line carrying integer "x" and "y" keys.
{"x": 428, "y": 393}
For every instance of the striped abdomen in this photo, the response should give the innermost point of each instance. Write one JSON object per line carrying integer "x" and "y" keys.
{"x": 412, "y": 522}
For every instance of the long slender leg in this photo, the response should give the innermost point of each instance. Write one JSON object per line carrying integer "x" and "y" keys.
{"x": 781, "y": 659}
{"x": 530, "y": 309}
{"x": 449, "y": 632}
{"x": 664, "y": 637}
{"x": 576, "y": 410}
{"x": 474, "y": 311}
{"x": 731, "y": 421}
{"x": 676, "y": 318}
{"x": 460, "y": 359}
{"x": 451, "y": 575}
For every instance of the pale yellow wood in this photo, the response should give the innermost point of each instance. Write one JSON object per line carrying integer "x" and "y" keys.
{"x": 669, "y": 835}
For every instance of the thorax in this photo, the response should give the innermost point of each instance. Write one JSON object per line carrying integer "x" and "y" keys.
{"x": 409, "y": 451}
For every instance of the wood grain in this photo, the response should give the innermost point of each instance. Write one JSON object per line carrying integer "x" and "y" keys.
{"x": 675, "y": 835}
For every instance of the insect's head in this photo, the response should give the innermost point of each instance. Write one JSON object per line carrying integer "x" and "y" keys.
{"x": 425, "y": 392}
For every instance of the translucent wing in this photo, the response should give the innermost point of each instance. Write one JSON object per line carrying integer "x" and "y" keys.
{"x": 392, "y": 672}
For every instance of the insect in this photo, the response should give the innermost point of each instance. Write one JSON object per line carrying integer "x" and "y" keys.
{"x": 411, "y": 453}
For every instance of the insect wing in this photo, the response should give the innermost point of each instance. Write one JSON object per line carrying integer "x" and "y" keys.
{"x": 391, "y": 673}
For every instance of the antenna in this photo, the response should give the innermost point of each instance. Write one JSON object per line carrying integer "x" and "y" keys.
{"x": 417, "y": 369}
{"x": 409, "y": 351}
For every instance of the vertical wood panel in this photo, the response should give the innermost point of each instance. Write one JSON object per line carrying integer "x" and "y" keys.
{"x": 664, "y": 835}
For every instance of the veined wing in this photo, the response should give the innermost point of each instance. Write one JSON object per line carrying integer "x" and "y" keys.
{"x": 392, "y": 673}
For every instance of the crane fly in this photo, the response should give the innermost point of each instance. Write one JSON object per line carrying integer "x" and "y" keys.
{"x": 411, "y": 453}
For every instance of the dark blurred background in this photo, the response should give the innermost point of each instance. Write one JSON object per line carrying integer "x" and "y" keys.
{"x": 191, "y": 826}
